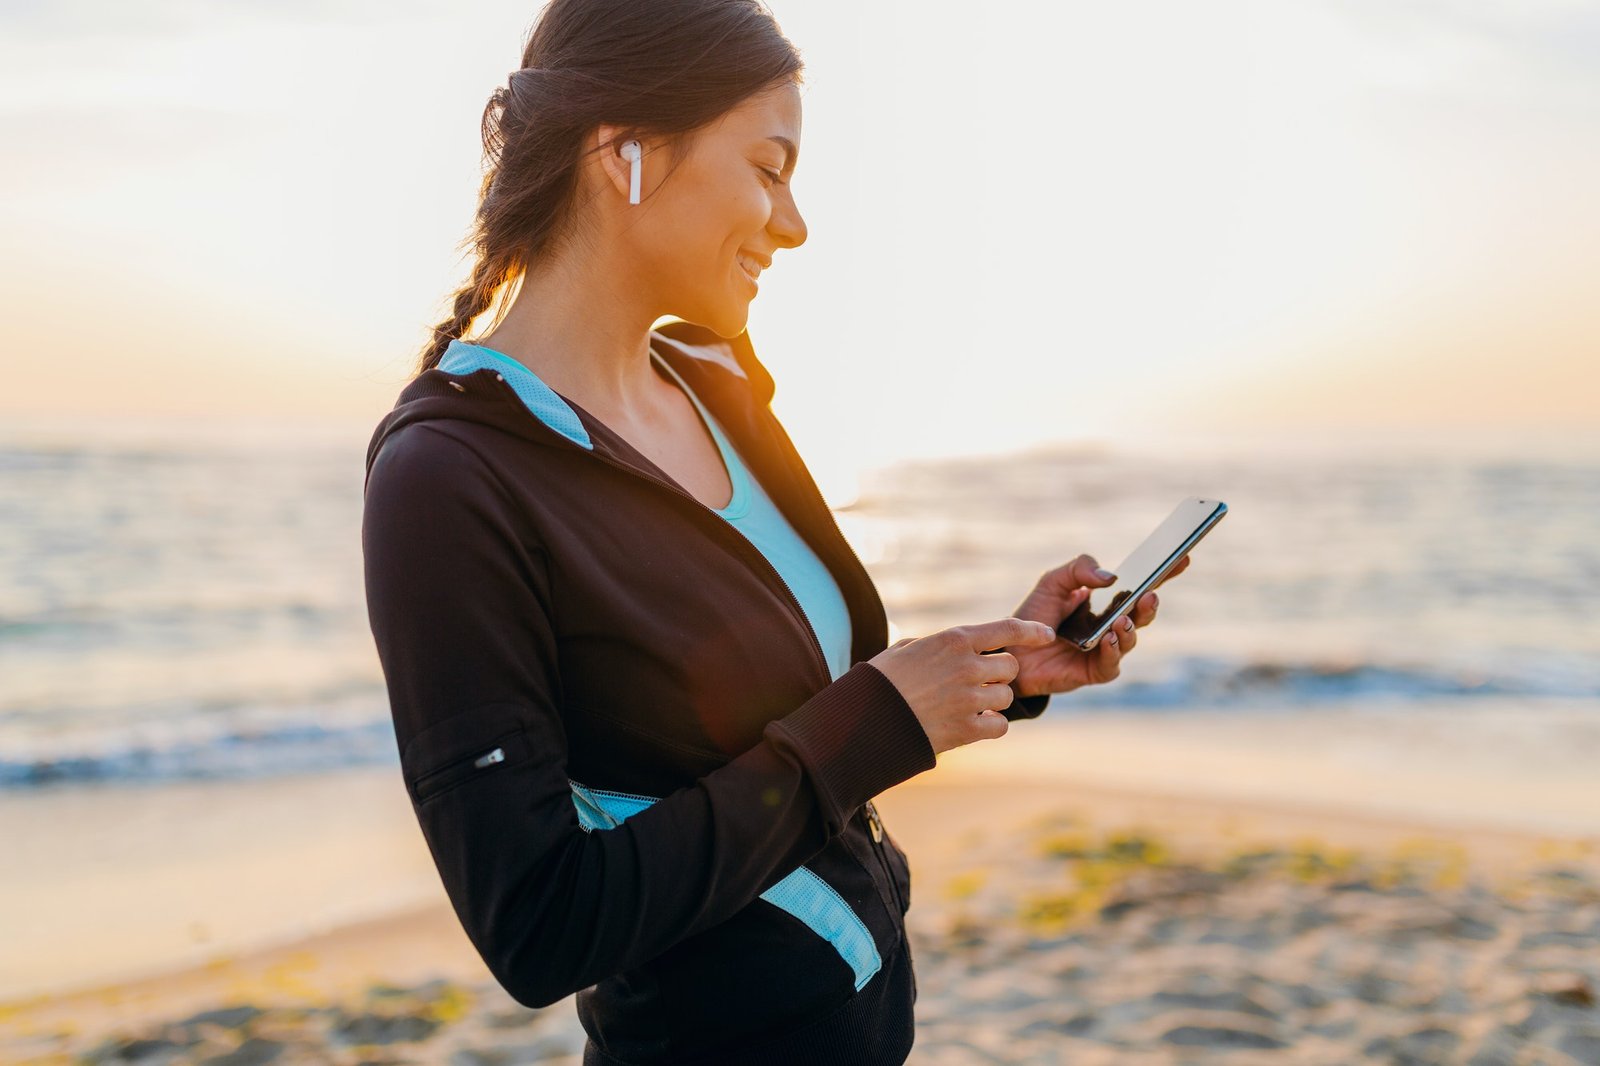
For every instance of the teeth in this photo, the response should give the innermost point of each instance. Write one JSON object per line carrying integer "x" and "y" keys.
{"x": 749, "y": 268}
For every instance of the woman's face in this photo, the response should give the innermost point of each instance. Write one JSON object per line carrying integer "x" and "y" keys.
{"x": 728, "y": 200}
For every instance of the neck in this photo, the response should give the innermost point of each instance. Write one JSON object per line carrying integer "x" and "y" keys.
{"x": 585, "y": 331}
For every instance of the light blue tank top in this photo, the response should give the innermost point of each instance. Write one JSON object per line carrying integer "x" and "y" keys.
{"x": 750, "y": 511}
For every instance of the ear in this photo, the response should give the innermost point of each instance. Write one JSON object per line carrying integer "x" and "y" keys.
{"x": 617, "y": 170}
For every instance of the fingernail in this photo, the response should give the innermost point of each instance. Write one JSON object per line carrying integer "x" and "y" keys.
{"x": 1102, "y": 573}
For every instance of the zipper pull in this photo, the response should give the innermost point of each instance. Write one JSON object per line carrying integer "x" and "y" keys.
{"x": 874, "y": 822}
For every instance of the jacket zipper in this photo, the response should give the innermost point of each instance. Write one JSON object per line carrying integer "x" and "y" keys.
{"x": 876, "y": 825}
{"x": 868, "y": 814}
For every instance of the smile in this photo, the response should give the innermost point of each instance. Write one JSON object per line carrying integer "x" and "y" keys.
{"x": 750, "y": 270}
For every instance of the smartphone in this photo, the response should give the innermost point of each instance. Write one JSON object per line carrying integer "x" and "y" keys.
{"x": 1141, "y": 571}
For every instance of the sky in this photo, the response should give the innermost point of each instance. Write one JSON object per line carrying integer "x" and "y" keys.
{"x": 1027, "y": 223}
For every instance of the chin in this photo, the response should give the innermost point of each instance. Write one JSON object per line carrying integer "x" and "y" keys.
{"x": 727, "y": 320}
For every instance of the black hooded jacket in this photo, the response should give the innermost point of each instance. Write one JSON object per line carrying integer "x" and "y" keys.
{"x": 636, "y": 775}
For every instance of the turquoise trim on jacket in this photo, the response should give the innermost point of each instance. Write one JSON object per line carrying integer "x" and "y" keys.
{"x": 460, "y": 357}
{"x": 802, "y": 893}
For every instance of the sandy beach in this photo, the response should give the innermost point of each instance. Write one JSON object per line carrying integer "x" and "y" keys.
{"x": 1057, "y": 916}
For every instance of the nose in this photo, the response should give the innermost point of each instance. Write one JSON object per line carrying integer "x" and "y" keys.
{"x": 786, "y": 224}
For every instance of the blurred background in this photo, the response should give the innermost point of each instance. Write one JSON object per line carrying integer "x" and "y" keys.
{"x": 1333, "y": 262}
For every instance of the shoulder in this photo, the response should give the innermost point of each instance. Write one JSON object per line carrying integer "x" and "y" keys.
{"x": 432, "y": 464}
{"x": 422, "y": 449}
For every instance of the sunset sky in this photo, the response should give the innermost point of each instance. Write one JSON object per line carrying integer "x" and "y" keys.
{"x": 1027, "y": 222}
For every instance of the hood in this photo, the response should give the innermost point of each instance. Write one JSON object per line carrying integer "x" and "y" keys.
{"x": 479, "y": 384}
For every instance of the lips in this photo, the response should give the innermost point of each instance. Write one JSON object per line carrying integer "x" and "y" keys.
{"x": 751, "y": 266}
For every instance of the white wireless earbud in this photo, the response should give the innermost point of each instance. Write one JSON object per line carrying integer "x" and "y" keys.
{"x": 634, "y": 155}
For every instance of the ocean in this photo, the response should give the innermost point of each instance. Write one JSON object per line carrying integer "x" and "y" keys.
{"x": 180, "y": 610}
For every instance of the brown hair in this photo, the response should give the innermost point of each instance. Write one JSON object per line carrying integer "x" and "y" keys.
{"x": 665, "y": 68}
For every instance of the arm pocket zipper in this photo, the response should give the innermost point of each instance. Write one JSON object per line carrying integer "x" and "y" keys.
{"x": 460, "y": 769}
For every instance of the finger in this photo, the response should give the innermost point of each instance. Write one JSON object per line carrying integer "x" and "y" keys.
{"x": 1068, "y": 599}
{"x": 1007, "y": 631}
{"x": 997, "y": 667}
{"x": 1145, "y": 613}
{"x": 1086, "y": 570}
{"x": 1110, "y": 659}
{"x": 1127, "y": 634}
{"x": 989, "y": 724}
{"x": 1068, "y": 581}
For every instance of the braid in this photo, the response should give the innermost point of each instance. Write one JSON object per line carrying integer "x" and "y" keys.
{"x": 520, "y": 206}
{"x": 489, "y": 273}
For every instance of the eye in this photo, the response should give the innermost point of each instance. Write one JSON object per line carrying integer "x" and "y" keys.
{"x": 773, "y": 174}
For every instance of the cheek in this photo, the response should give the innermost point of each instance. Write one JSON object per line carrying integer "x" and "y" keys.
{"x": 727, "y": 223}
{"x": 757, "y": 209}
{"x": 705, "y": 228}
{"x": 738, "y": 208}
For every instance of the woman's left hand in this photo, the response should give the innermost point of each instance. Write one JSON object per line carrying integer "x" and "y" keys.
{"x": 1063, "y": 666}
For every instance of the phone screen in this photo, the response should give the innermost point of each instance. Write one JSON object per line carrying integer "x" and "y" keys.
{"x": 1139, "y": 572}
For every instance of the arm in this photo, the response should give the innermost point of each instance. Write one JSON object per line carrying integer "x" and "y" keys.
{"x": 458, "y": 602}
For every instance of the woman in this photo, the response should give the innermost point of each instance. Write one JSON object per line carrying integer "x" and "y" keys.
{"x": 639, "y": 680}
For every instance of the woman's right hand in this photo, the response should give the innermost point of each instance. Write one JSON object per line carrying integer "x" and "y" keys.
{"x": 956, "y": 691}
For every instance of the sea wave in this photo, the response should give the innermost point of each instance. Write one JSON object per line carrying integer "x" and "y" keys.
{"x": 1213, "y": 684}
{"x": 293, "y": 748}
{"x": 352, "y": 728}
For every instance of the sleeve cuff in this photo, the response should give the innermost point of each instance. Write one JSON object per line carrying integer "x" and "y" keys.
{"x": 857, "y": 737}
{"x": 1026, "y": 706}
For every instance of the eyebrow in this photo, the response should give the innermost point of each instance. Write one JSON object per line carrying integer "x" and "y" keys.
{"x": 789, "y": 150}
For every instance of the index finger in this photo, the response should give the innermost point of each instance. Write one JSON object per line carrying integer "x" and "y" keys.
{"x": 988, "y": 636}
